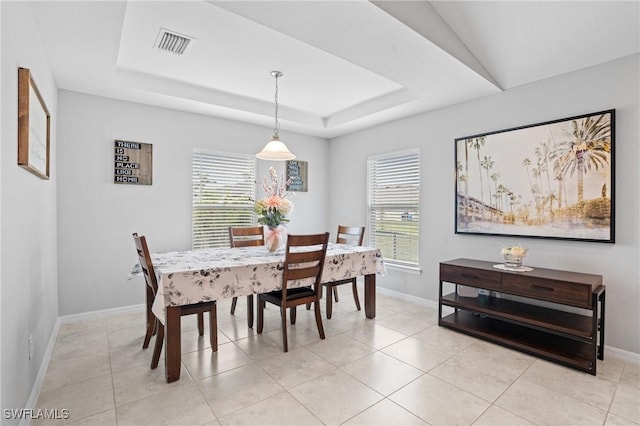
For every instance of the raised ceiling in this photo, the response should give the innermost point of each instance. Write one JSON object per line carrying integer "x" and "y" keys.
{"x": 347, "y": 64}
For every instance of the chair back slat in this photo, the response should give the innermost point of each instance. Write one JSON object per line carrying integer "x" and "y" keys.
{"x": 246, "y": 236}
{"x": 145, "y": 261}
{"x": 352, "y": 235}
{"x": 303, "y": 257}
{"x": 302, "y": 273}
{"x": 303, "y": 260}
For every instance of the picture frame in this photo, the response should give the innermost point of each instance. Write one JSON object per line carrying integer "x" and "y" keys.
{"x": 133, "y": 163}
{"x": 34, "y": 127}
{"x": 297, "y": 176}
{"x": 554, "y": 179}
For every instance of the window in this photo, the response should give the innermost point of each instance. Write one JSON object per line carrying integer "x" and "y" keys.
{"x": 223, "y": 194}
{"x": 394, "y": 206}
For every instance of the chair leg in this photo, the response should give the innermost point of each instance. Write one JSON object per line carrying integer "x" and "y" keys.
{"x": 151, "y": 329}
{"x": 234, "y": 301}
{"x": 321, "y": 290}
{"x": 283, "y": 319}
{"x": 213, "y": 327}
{"x": 335, "y": 292}
{"x": 355, "y": 293}
{"x": 260, "y": 315}
{"x": 316, "y": 305}
{"x": 200, "y": 323}
{"x": 157, "y": 349}
{"x": 249, "y": 311}
{"x": 292, "y": 312}
{"x": 329, "y": 301}
{"x": 151, "y": 319}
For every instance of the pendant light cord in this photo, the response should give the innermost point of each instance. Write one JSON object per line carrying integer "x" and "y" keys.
{"x": 276, "y": 128}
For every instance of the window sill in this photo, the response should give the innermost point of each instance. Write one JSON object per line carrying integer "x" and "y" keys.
{"x": 415, "y": 270}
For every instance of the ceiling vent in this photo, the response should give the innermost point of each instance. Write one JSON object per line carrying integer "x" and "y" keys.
{"x": 172, "y": 42}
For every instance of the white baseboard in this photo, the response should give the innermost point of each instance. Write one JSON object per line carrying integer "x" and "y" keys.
{"x": 621, "y": 354}
{"x": 122, "y": 310}
{"x": 35, "y": 390}
{"x": 415, "y": 299}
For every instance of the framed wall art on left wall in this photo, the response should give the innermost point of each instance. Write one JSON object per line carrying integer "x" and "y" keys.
{"x": 34, "y": 127}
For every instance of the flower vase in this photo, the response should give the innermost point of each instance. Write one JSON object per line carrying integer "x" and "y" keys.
{"x": 275, "y": 237}
{"x": 512, "y": 260}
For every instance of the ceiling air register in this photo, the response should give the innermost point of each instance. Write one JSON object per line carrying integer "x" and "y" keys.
{"x": 172, "y": 42}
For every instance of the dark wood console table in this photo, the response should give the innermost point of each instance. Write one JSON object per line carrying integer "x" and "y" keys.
{"x": 556, "y": 331}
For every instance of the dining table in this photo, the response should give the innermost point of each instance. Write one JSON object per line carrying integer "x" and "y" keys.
{"x": 204, "y": 275}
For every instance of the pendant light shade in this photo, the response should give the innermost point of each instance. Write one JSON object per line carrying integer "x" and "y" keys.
{"x": 275, "y": 150}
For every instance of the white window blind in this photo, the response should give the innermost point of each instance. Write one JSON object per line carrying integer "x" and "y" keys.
{"x": 223, "y": 194}
{"x": 394, "y": 206}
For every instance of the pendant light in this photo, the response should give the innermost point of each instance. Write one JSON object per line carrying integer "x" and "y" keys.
{"x": 275, "y": 150}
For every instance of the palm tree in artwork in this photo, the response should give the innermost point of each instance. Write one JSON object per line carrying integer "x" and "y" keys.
{"x": 467, "y": 142}
{"x": 558, "y": 176}
{"x": 463, "y": 180}
{"x": 487, "y": 164}
{"x": 536, "y": 172}
{"x": 527, "y": 163}
{"x": 590, "y": 148}
{"x": 512, "y": 200}
{"x": 501, "y": 190}
{"x": 461, "y": 177}
{"x": 543, "y": 152}
{"x": 477, "y": 143}
{"x": 494, "y": 178}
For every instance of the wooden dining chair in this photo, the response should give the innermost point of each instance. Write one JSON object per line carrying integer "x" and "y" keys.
{"x": 246, "y": 237}
{"x": 304, "y": 260}
{"x": 143, "y": 255}
{"x": 352, "y": 235}
{"x": 154, "y": 326}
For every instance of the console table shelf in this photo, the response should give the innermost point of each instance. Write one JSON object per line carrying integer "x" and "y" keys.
{"x": 557, "y": 331}
{"x": 567, "y": 351}
{"x": 552, "y": 320}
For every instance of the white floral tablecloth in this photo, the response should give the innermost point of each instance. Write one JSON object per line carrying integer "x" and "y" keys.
{"x": 202, "y": 275}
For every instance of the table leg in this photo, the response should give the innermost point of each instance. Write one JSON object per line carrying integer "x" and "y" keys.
{"x": 172, "y": 349}
{"x": 369, "y": 295}
{"x": 250, "y": 311}
{"x": 601, "y": 342}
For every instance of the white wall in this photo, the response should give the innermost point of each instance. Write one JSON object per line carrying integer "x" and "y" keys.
{"x": 29, "y": 292}
{"x": 97, "y": 217}
{"x": 1, "y": 117}
{"x": 612, "y": 85}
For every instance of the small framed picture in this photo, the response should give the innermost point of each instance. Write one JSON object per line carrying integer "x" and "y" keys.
{"x": 297, "y": 176}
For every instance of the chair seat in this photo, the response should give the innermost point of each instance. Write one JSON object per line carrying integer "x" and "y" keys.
{"x": 292, "y": 294}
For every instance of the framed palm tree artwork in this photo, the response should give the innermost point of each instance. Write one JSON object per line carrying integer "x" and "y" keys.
{"x": 546, "y": 180}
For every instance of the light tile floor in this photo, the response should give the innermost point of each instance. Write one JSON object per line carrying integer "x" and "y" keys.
{"x": 399, "y": 369}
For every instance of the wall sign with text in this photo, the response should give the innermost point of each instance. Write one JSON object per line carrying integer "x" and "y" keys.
{"x": 133, "y": 163}
{"x": 297, "y": 175}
